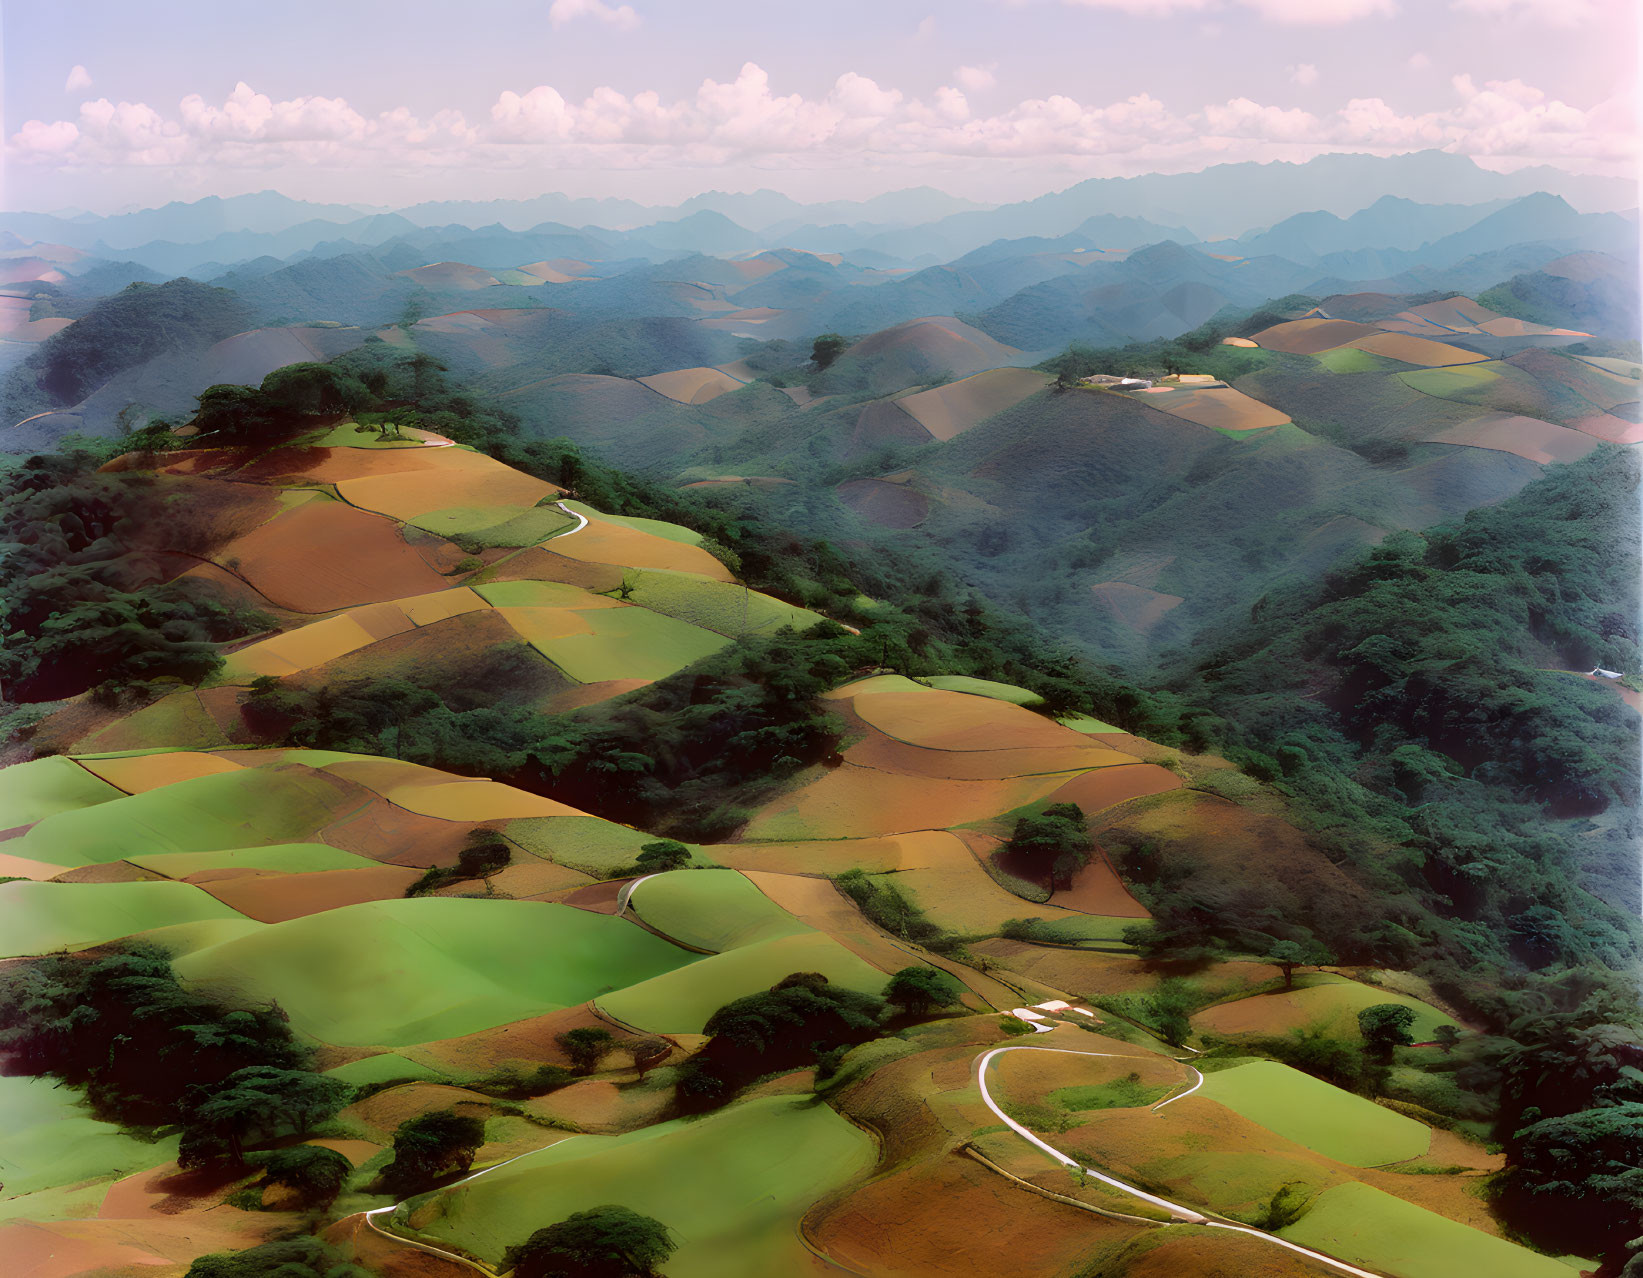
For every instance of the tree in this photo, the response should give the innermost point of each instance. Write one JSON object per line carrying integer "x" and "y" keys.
{"x": 1288, "y": 955}
{"x": 262, "y": 1101}
{"x": 586, "y": 1046}
{"x": 603, "y": 1242}
{"x": 234, "y": 412}
{"x": 918, "y": 989}
{"x": 1056, "y": 843}
{"x": 313, "y": 390}
{"x": 827, "y": 348}
{"x": 1385, "y": 1026}
{"x": 663, "y": 854}
{"x": 287, "y": 1258}
{"x": 1580, "y": 1175}
{"x": 315, "y": 1173}
{"x": 1446, "y": 1036}
{"x": 430, "y": 1147}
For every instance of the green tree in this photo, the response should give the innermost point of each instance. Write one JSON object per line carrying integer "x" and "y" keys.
{"x": 313, "y": 390}
{"x": 663, "y": 854}
{"x": 1288, "y": 955}
{"x": 1580, "y": 1176}
{"x": 603, "y": 1242}
{"x": 286, "y": 1258}
{"x": 1169, "y": 1010}
{"x": 262, "y": 1101}
{"x": 1385, "y": 1026}
{"x": 586, "y": 1046}
{"x": 920, "y": 988}
{"x": 1056, "y": 843}
{"x": 827, "y": 348}
{"x": 316, "y": 1173}
{"x": 430, "y": 1147}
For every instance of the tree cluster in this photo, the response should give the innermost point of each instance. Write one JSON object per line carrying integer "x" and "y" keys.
{"x": 149, "y": 1052}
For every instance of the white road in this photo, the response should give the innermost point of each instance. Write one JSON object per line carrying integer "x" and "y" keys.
{"x": 581, "y": 521}
{"x": 429, "y": 1247}
{"x": 1179, "y": 1213}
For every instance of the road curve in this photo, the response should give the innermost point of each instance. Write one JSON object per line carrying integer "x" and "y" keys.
{"x": 370, "y": 1220}
{"x": 582, "y": 521}
{"x": 624, "y": 894}
{"x": 1179, "y": 1213}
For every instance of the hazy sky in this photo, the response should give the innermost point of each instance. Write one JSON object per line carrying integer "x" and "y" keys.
{"x": 109, "y": 104}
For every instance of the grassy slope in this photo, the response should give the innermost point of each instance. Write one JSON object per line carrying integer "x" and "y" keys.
{"x": 1310, "y": 1112}
{"x": 431, "y": 967}
{"x": 730, "y": 1186}
{"x": 281, "y": 858}
{"x": 43, "y": 787}
{"x": 1362, "y": 1225}
{"x": 38, "y": 918}
{"x": 228, "y": 810}
{"x": 712, "y": 910}
{"x": 51, "y": 1139}
{"x": 681, "y": 1001}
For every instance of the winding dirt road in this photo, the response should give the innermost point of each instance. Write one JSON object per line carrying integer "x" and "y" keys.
{"x": 1179, "y": 1213}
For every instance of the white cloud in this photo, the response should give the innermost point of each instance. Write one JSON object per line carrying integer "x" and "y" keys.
{"x": 249, "y": 116}
{"x": 1418, "y": 61}
{"x": 951, "y": 104}
{"x": 1303, "y": 74}
{"x": 41, "y": 139}
{"x": 1320, "y": 13}
{"x": 926, "y": 28}
{"x": 1309, "y": 13}
{"x": 976, "y": 79}
{"x": 1555, "y": 13}
{"x": 78, "y": 78}
{"x": 1145, "y": 8}
{"x": 621, "y": 16}
{"x": 857, "y": 122}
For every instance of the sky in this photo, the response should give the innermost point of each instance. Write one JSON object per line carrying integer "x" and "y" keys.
{"x": 110, "y": 105}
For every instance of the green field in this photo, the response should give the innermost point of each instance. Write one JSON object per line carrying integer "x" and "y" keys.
{"x": 1364, "y": 1226}
{"x": 731, "y": 1187}
{"x": 581, "y": 842}
{"x": 39, "y": 918}
{"x": 353, "y": 435}
{"x": 178, "y": 719}
{"x": 1310, "y": 1112}
{"x": 1084, "y": 723}
{"x": 254, "y": 806}
{"x": 680, "y": 1002}
{"x": 431, "y": 967}
{"x": 40, "y": 788}
{"x": 720, "y": 606}
{"x": 1349, "y": 359}
{"x": 711, "y": 909}
{"x": 655, "y": 527}
{"x": 1333, "y": 1002}
{"x": 51, "y": 1139}
{"x": 985, "y": 688}
{"x": 629, "y": 643}
{"x": 282, "y": 858}
{"x": 385, "y": 1067}
{"x": 496, "y": 525}
{"x": 1465, "y": 382}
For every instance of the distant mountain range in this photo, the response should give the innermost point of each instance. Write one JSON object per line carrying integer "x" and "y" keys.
{"x": 1401, "y": 203}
